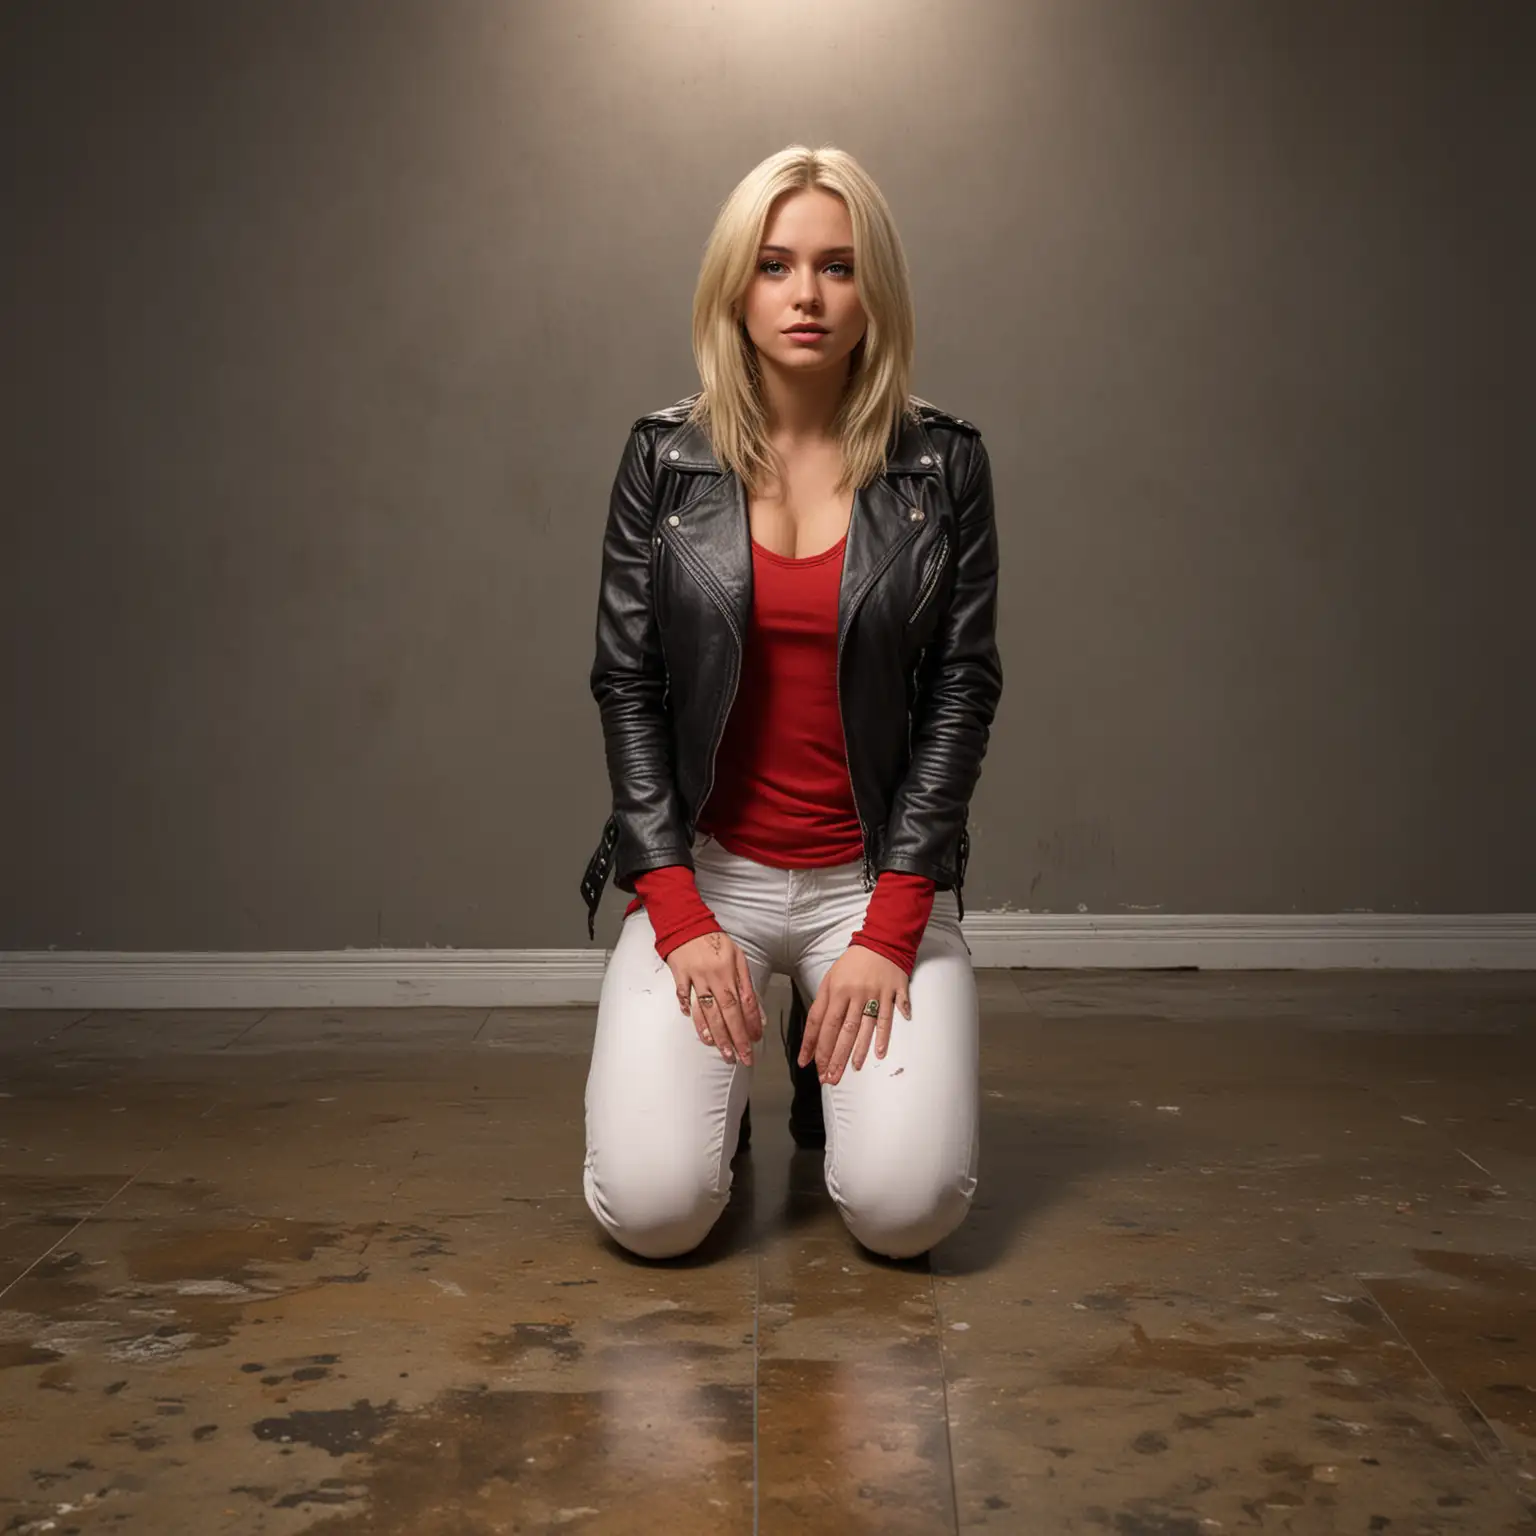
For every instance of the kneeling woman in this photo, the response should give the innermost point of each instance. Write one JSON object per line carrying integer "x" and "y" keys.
{"x": 797, "y": 672}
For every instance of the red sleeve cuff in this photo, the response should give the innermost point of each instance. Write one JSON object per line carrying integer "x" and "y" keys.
{"x": 672, "y": 902}
{"x": 898, "y": 913}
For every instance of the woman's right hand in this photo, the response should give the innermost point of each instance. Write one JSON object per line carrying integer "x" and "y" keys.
{"x": 727, "y": 1016}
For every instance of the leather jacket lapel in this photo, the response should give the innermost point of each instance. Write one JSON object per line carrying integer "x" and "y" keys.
{"x": 881, "y": 525}
{"x": 710, "y": 528}
{"x": 710, "y": 534}
{"x": 885, "y": 520}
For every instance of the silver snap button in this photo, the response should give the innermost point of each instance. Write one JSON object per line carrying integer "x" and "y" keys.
{"x": 927, "y": 458}
{"x": 674, "y": 454}
{"x": 674, "y": 520}
{"x": 916, "y": 514}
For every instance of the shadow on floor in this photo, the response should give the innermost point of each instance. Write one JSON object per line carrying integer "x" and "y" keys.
{"x": 1030, "y": 1161}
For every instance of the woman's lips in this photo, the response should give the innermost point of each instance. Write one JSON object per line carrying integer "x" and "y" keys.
{"x": 806, "y": 336}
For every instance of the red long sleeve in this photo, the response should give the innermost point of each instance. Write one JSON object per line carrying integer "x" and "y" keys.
{"x": 898, "y": 914}
{"x": 894, "y": 922}
{"x": 671, "y": 900}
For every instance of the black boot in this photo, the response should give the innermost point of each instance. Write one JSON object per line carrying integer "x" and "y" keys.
{"x": 806, "y": 1124}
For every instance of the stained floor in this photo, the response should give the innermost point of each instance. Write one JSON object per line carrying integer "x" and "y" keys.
{"x": 1251, "y": 1252}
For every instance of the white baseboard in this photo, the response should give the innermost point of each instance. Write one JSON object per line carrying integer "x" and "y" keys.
{"x": 343, "y": 978}
{"x": 1257, "y": 941}
{"x": 404, "y": 978}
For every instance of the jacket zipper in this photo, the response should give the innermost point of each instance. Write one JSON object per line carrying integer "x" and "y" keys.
{"x": 714, "y": 750}
{"x": 666, "y": 691}
{"x": 931, "y": 581}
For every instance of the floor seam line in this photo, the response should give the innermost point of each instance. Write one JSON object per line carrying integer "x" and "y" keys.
{"x": 1498, "y": 1459}
{"x": 53, "y": 1247}
{"x": 949, "y": 1439}
{"x": 757, "y": 1307}
{"x": 132, "y": 1179}
{"x": 248, "y": 1028}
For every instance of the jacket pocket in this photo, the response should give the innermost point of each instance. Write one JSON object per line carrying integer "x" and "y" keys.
{"x": 930, "y": 582}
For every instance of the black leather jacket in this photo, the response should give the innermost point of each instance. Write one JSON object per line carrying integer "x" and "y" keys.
{"x": 918, "y": 671}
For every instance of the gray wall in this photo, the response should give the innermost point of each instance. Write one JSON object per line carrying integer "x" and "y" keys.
{"x": 325, "y": 323}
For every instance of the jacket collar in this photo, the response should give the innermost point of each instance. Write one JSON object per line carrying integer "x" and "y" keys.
{"x": 687, "y": 447}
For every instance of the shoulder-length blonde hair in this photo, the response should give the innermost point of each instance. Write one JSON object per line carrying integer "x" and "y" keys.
{"x": 729, "y": 406}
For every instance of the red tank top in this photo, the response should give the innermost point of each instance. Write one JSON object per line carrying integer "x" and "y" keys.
{"x": 782, "y": 795}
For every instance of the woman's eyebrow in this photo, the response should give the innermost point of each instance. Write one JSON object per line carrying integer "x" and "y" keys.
{"x": 831, "y": 250}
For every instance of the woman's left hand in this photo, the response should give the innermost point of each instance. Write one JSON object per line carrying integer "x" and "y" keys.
{"x": 837, "y": 1026}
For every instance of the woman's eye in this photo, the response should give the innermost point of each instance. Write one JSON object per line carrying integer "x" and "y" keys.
{"x": 845, "y": 268}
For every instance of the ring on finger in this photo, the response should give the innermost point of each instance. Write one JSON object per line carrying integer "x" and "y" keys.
{"x": 872, "y": 1008}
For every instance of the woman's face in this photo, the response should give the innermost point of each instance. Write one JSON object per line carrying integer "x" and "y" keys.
{"x": 804, "y": 277}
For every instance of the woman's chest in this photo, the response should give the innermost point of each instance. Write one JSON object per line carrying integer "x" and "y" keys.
{"x": 810, "y": 516}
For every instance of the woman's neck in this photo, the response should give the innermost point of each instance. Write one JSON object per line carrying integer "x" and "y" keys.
{"x": 800, "y": 408}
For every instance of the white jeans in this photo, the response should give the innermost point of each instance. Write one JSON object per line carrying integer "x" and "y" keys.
{"x": 663, "y": 1110}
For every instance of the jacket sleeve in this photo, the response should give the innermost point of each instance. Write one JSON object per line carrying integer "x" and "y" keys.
{"x": 629, "y": 680}
{"x": 959, "y": 685}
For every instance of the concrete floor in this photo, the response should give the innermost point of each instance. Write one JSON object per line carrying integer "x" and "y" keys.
{"x": 1252, "y": 1252}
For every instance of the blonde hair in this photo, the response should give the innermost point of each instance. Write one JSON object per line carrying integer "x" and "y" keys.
{"x": 729, "y": 407}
